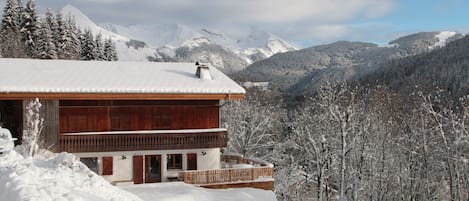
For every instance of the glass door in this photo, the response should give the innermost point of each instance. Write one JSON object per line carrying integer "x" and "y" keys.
{"x": 152, "y": 168}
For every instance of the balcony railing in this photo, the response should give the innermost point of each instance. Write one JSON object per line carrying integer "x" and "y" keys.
{"x": 227, "y": 175}
{"x": 241, "y": 172}
{"x": 143, "y": 140}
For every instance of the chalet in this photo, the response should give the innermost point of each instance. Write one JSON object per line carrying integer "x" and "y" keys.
{"x": 137, "y": 122}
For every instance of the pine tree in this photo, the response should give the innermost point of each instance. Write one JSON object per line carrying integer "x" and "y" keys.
{"x": 99, "y": 47}
{"x": 52, "y": 24}
{"x": 10, "y": 29}
{"x": 88, "y": 46}
{"x": 46, "y": 45}
{"x": 74, "y": 35}
{"x": 110, "y": 50}
{"x": 29, "y": 29}
{"x": 62, "y": 38}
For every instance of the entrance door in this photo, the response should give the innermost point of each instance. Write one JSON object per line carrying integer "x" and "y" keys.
{"x": 192, "y": 161}
{"x": 152, "y": 168}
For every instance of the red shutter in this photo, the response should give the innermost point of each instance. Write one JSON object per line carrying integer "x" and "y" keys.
{"x": 107, "y": 165}
{"x": 192, "y": 161}
{"x": 138, "y": 169}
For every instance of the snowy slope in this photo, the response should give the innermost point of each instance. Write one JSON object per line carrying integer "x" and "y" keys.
{"x": 84, "y": 22}
{"x": 125, "y": 52}
{"x": 443, "y": 37}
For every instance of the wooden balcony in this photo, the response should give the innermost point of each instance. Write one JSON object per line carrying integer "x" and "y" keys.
{"x": 143, "y": 140}
{"x": 258, "y": 176}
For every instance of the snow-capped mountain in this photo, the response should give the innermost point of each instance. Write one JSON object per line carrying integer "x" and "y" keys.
{"x": 176, "y": 42}
{"x": 167, "y": 38}
{"x": 261, "y": 42}
{"x": 177, "y": 35}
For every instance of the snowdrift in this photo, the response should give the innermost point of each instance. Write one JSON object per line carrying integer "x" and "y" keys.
{"x": 58, "y": 178}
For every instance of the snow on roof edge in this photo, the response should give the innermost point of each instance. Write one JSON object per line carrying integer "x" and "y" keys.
{"x": 66, "y": 76}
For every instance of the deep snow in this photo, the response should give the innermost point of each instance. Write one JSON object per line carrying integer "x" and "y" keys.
{"x": 57, "y": 178}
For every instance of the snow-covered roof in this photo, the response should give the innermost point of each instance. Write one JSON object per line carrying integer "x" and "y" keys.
{"x": 63, "y": 76}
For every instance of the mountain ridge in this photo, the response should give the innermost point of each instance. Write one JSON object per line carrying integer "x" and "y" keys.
{"x": 305, "y": 70}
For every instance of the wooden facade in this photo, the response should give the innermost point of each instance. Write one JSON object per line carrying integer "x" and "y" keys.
{"x": 99, "y": 116}
{"x": 78, "y": 116}
{"x": 107, "y": 116}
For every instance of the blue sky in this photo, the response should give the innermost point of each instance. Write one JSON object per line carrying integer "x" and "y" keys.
{"x": 429, "y": 15}
{"x": 304, "y": 22}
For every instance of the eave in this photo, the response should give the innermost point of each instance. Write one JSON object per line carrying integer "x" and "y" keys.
{"x": 118, "y": 96}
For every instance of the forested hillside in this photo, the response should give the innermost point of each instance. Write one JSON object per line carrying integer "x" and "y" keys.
{"x": 25, "y": 35}
{"x": 445, "y": 68}
{"x": 307, "y": 69}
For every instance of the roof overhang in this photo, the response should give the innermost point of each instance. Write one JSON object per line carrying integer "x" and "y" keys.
{"x": 117, "y": 96}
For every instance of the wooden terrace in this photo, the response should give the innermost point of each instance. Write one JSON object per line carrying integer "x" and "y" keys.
{"x": 260, "y": 175}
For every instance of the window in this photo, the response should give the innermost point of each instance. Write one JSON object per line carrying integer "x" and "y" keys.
{"x": 91, "y": 163}
{"x": 174, "y": 162}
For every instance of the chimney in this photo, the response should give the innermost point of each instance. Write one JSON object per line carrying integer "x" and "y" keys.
{"x": 203, "y": 71}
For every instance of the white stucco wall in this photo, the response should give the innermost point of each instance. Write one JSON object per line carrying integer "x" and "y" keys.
{"x": 207, "y": 159}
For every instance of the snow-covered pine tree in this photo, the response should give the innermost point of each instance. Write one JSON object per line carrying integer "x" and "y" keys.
{"x": 9, "y": 31}
{"x": 29, "y": 29}
{"x": 63, "y": 40}
{"x": 19, "y": 11}
{"x": 88, "y": 46}
{"x": 32, "y": 129}
{"x": 110, "y": 53}
{"x": 74, "y": 33}
{"x": 46, "y": 46}
{"x": 99, "y": 47}
{"x": 52, "y": 23}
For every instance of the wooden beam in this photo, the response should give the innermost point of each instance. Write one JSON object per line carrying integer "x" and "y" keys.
{"x": 117, "y": 96}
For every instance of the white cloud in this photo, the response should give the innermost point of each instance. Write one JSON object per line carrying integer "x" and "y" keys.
{"x": 328, "y": 31}
{"x": 280, "y": 11}
{"x": 292, "y": 19}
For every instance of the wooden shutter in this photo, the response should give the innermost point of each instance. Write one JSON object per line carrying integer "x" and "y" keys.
{"x": 138, "y": 169}
{"x": 107, "y": 165}
{"x": 192, "y": 161}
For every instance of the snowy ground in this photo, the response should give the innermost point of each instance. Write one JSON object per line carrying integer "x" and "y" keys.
{"x": 178, "y": 191}
{"x": 60, "y": 177}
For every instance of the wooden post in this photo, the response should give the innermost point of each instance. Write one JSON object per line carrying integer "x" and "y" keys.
{"x": 252, "y": 174}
